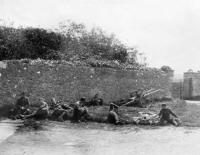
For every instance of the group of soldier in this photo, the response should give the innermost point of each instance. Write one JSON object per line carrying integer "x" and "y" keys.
{"x": 78, "y": 111}
{"x": 54, "y": 110}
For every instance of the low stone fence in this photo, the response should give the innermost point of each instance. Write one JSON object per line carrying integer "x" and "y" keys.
{"x": 68, "y": 82}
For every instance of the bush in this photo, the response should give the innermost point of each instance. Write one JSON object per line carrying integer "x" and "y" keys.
{"x": 11, "y": 43}
{"x": 29, "y": 43}
{"x": 42, "y": 43}
{"x": 82, "y": 44}
{"x": 73, "y": 42}
{"x": 166, "y": 69}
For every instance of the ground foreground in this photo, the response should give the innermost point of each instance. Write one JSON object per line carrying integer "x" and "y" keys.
{"x": 188, "y": 113}
{"x": 60, "y": 138}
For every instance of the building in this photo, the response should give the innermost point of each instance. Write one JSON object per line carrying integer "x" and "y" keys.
{"x": 191, "y": 85}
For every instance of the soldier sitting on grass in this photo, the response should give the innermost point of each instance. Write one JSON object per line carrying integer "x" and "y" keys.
{"x": 41, "y": 113}
{"x": 113, "y": 117}
{"x": 61, "y": 111}
{"x": 80, "y": 112}
{"x": 95, "y": 101}
{"x": 21, "y": 106}
{"x": 165, "y": 116}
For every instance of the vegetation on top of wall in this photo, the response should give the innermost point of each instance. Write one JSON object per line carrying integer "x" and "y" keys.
{"x": 91, "y": 63}
{"x": 71, "y": 42}
{"x": 166, "y": 69}
{"x": 29, "y": 43}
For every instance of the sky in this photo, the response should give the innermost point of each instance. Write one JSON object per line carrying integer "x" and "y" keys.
{"x": 166, "y": 31}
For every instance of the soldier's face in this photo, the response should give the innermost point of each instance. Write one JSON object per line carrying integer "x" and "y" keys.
{"x": 163, "y": 106}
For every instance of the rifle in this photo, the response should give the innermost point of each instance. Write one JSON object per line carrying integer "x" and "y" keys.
{"x": 151, "y": 92}
{"x": 133, "y": 99}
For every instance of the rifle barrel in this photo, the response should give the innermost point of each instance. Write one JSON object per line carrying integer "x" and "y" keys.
{"x": 151, "y": 92}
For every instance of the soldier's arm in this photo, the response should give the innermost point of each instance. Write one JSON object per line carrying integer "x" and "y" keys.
{"x": 17, "y": 102}
{"x": 28, "y": 102}
{"x": 173, "y": 114}
{"x": 160, "y": 113}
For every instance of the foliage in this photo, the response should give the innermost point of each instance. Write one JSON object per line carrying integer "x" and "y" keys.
{"x": 28, "y": 43}
{"x": 42, "y": 43}
{"x": 11, "y": 43}
{"x": 166, "y": 69}
{"x": 81, "y": 44}
{"x": 71, "y": 42}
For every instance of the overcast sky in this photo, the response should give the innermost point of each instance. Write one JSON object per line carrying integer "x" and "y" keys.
{"x": 167, "y": 31}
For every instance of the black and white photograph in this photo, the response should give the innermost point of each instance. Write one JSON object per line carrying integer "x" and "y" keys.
{"x": 99, "y": 77}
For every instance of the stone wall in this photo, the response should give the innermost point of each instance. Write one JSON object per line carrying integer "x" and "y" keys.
{"x": 69, "y": 82}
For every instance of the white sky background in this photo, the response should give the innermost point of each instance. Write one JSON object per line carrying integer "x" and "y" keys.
{"x": 167, "y": 31}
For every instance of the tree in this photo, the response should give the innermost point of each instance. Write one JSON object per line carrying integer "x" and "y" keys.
{"x": 83, "y": 44}
{"x": 73, "y": 41}
{"x": 166, "y": 69}
{"x": 42, "y": 43}
{"x": 11, "y": 43}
